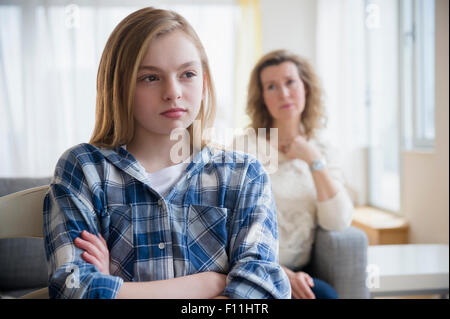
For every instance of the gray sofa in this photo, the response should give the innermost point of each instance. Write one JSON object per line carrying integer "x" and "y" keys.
{"x": 23, "y": 267}
{"x": 12, "y": 185}
{"x": 339, "y": 258}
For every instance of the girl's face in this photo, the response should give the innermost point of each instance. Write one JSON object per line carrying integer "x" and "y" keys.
{"x": 283, "y": 91}
{"x": 169, "y": 87}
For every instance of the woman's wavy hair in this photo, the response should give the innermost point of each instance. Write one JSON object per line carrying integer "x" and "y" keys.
{"x": 117, "y": 75}
{"x": 313, "y": 116}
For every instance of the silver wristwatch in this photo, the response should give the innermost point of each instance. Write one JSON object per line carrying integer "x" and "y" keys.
{"x": 318, "y": 165}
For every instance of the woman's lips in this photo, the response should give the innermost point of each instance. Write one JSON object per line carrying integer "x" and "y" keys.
{"x": 174, "y": 113}
{"x": 286, "y": 106}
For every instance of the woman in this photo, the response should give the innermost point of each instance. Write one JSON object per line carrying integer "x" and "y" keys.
{"x": 124, "y": 218}
{"x": 284, "y": 94}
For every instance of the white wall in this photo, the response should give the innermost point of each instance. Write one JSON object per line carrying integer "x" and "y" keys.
{"x": 289, "y": 24}
{"x": 426, "y": 175}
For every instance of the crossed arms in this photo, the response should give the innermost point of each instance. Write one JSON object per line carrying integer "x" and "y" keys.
{"x": 203, "y": 285}
{"x": 76, "y": 202}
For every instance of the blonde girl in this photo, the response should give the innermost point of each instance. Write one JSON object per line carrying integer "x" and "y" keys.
{"x": 123, "y": 219}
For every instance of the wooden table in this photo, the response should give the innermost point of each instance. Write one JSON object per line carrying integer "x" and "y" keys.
{"x": 381, "y": 228}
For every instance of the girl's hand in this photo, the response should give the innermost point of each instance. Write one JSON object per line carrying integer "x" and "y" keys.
{"x": 216, "y": 283}
{"x": 301, "y": 284}
{"x": 300, "y": 148}
{"x": 96, "y": 251}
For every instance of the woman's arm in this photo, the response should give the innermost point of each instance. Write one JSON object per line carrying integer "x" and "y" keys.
{"x": 198, "y": 286}
{"x": 300, "y": 148}
{"x": 334, "y": 207}
{"x": 325, "y": 186}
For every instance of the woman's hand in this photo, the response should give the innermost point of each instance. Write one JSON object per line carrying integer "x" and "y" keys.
{"x": 300, "y": 148}
{"x": 96, "y": 251}
{"x": 301, "y": 284}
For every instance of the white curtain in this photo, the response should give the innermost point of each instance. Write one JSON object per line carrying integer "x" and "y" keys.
{"x": 341, "y": 67}
{"x": 49, "y": 55}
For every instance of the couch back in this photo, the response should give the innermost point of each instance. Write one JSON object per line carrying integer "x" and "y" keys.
{"x": 13, "y": 185}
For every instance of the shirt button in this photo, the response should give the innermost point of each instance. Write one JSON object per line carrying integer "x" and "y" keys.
{"x": 161, "y": 245}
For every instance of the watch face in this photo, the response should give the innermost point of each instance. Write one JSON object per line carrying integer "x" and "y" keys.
{"x": 318, "y": 165}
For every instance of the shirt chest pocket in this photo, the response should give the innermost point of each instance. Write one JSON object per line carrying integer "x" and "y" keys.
{"x": 207, "y": 238}
{"x": 120, "y": 242}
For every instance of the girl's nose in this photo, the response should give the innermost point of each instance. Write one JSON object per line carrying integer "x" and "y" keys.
{"x": 172, "y": 90}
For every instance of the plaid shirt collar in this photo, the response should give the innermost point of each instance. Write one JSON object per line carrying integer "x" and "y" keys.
{"x": 126, "y": 162}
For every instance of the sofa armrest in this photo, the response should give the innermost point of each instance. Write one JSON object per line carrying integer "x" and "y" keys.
{"x": 340, "y": 258}
{"x": 37, "y": 294}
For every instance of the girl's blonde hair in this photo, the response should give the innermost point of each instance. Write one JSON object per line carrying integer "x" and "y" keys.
{"x": 117, "y": 75}
{"x": 313, "y": 116}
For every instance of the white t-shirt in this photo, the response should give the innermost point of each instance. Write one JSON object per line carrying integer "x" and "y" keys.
{"x": 163, "y": 180}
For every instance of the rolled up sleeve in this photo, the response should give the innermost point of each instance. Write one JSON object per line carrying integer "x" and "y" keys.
{"x": 254, "y": 268}
{"x": 67, "y": 212}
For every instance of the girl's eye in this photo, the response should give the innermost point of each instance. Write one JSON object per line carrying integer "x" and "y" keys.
{"x": 150, "y": 78}
{"x": 188, "y": 75}
{"x": 271, "y": 87}
{"x": 289, "y": 82}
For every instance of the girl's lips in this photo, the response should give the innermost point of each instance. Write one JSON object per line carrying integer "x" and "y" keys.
{"x": 174, "y": 113}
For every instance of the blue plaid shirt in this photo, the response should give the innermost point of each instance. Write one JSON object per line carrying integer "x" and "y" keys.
{"x": 219, "y": 217}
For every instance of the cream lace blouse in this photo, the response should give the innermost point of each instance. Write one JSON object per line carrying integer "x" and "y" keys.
{"x": 298, "y": 210}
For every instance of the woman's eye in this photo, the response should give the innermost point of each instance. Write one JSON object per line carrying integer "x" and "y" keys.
{"x": 289, "y": 82}
{"x": 271, "y": 87}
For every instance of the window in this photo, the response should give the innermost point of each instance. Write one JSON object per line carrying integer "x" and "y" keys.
{"x": 400, "y": 90}
{"x": 49, "y": 56}
{"x": 417, "y": 70}
{"x": 383, "y": 103}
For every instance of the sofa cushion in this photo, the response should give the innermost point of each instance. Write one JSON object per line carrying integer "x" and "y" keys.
{"x": 22, "y": 263}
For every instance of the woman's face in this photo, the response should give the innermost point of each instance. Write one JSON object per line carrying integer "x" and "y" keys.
{"x": 283, "y": 91}
{"x": 169, "y": 87}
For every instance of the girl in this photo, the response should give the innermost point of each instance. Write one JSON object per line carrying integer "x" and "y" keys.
{"x": 284, "y": 94}
{"x": 170, "y": 229}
